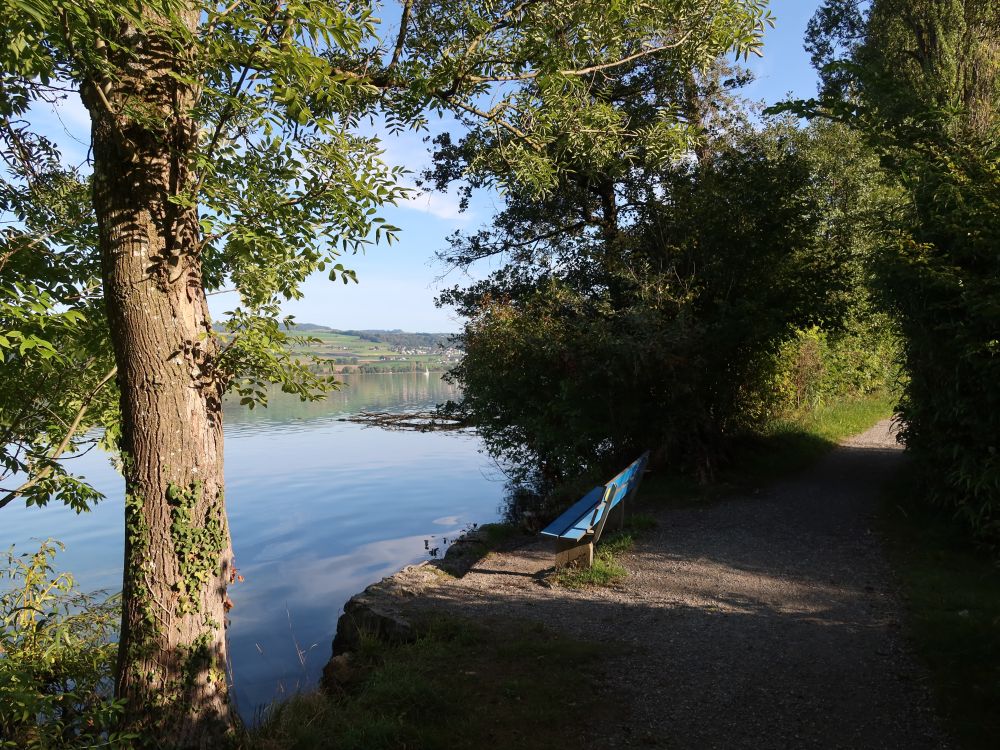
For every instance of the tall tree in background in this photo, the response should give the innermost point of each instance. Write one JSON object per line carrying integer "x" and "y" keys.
{"x": 920, "y": 79}
{"x": 663, "y": 332}
{"x": 224, "y": 151}
{"x": 642, "y": 299}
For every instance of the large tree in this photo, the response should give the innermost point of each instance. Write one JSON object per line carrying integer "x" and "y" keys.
{"x": 653, "y": 319}
{"x": 225, "y": 150}
{"x": 920, "y": 79}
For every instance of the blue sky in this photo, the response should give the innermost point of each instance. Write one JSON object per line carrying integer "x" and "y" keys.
{"x": 398, "y": 283}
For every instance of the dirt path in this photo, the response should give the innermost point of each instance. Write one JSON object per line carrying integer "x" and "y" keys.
{"x": 766, "y": 621}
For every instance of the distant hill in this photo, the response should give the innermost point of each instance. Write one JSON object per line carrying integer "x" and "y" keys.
{"x": 396, "y": 338}
{"x": 401, "y": 339}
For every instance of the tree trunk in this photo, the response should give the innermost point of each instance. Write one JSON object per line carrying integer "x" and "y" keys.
{"x": 178, "y": 557}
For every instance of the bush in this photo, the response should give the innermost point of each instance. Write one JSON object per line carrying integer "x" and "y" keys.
{"x": 691, "y": 325}
{"x": 57, "y": 652}
{"x": 817, "y": 367}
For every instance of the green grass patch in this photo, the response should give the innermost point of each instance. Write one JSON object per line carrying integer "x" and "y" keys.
{"x": 793, "y": 443}
{"x": 951, "y": 592}
{"x": 785, "y": 447}
{"x": 461, "y": 685}
{"x": 606, "y": 568}
{"x": 834, "y": 422}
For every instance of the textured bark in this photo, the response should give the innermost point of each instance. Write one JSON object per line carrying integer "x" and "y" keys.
{"x": 178, "y": 558}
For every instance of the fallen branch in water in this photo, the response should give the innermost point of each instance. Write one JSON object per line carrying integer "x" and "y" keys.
{"x": 420, "y": 421}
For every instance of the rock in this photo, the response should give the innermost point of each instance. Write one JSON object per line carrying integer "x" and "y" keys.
{"x": 339, "y": 673}
{"x": 382, "y": 611}
{"x": 378, "y": 611}
{"x": 371, "y": 614}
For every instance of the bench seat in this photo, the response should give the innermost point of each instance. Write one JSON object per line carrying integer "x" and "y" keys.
{"x": 579, "y": 527}
{"x": 574, "y": 522}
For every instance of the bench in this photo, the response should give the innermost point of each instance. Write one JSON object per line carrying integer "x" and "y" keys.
{"x": 578, "y": 529}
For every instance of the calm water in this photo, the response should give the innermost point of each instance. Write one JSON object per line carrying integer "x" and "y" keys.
{"x": 318, "y": 509}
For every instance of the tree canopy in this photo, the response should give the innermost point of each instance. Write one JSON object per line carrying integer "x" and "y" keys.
{"x": 921, "y": 82}
{"x": 660, "y": 282}
{"x": 226, "y": 150}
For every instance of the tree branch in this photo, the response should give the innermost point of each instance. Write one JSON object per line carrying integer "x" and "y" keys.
{"x": 61, "y": 448}
{"x": 530, "y": 75}
{"x": 404, "y": 21}
{"x": 489, "y": 117}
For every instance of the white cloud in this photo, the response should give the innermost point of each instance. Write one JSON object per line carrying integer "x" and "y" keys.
{"x": 442, "y": 205}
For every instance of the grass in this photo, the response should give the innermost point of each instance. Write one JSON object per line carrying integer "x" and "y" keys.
{"x": 492, "y": 684}
{"x": 461, "y": 685}
{"x": 793, "y": 443}
{"x": 833, "y": 422}
{"x": 786, "y": 447}
{"x": 952, "y": 598}
{"x": 607, "y": 569}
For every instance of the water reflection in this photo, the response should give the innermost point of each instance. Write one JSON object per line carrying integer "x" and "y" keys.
{"x": 318, "y": 508}
{"x": 397, "y": 392}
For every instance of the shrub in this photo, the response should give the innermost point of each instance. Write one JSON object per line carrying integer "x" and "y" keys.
{"x": 57, "y": 651}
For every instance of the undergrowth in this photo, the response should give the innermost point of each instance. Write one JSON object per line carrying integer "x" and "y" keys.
{"x": 460, "y": 685}
{"x": 57, "y": 655}
{"x": 952, "y": 599}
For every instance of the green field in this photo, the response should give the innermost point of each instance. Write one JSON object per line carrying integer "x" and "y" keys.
{"x": 344, "y": 352}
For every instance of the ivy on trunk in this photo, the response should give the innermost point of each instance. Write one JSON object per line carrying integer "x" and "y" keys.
{"x": 226, "y": 152}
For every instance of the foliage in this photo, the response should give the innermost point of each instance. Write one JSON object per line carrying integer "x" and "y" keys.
{"x": 682, "y": 328}
{"x": 54, "y": 355}
{"x": 951, "y": 595}
{"x": 816, "y": 367}
{"x": 57, "y": 653}
{"x": 284, "y": 189}
{"x": 228, "y": 143}
{"x": 921, "y": 82}
{"x": 551, "y": 72}
{"x": 284, "y": 181}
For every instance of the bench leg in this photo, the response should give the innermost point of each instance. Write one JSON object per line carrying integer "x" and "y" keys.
{"x": 570, "y": 552}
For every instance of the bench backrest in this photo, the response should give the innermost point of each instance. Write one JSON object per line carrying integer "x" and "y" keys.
{"x": 588, "y": 514}
{"x": 628, "y": 480}
{"x": 621, "y": 487}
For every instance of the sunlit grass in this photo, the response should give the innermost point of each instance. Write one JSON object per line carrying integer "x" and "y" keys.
{"x": 606, "y": 568}
{"x": 791, "y": 444}
{"x": 836, "y": 421}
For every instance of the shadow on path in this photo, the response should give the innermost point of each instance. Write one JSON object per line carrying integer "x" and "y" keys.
{"x": 762, "y": 621}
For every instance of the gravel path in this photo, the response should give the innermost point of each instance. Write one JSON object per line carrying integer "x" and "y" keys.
{"x": 766, "y": 621}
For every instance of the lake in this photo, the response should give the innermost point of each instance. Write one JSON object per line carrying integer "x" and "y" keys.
{"x": 318, "y": 510}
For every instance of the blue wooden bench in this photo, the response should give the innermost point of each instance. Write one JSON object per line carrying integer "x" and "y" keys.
{"x": 578, "y": 529}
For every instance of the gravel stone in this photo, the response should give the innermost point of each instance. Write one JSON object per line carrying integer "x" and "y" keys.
{"x": 761, "y": 621}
